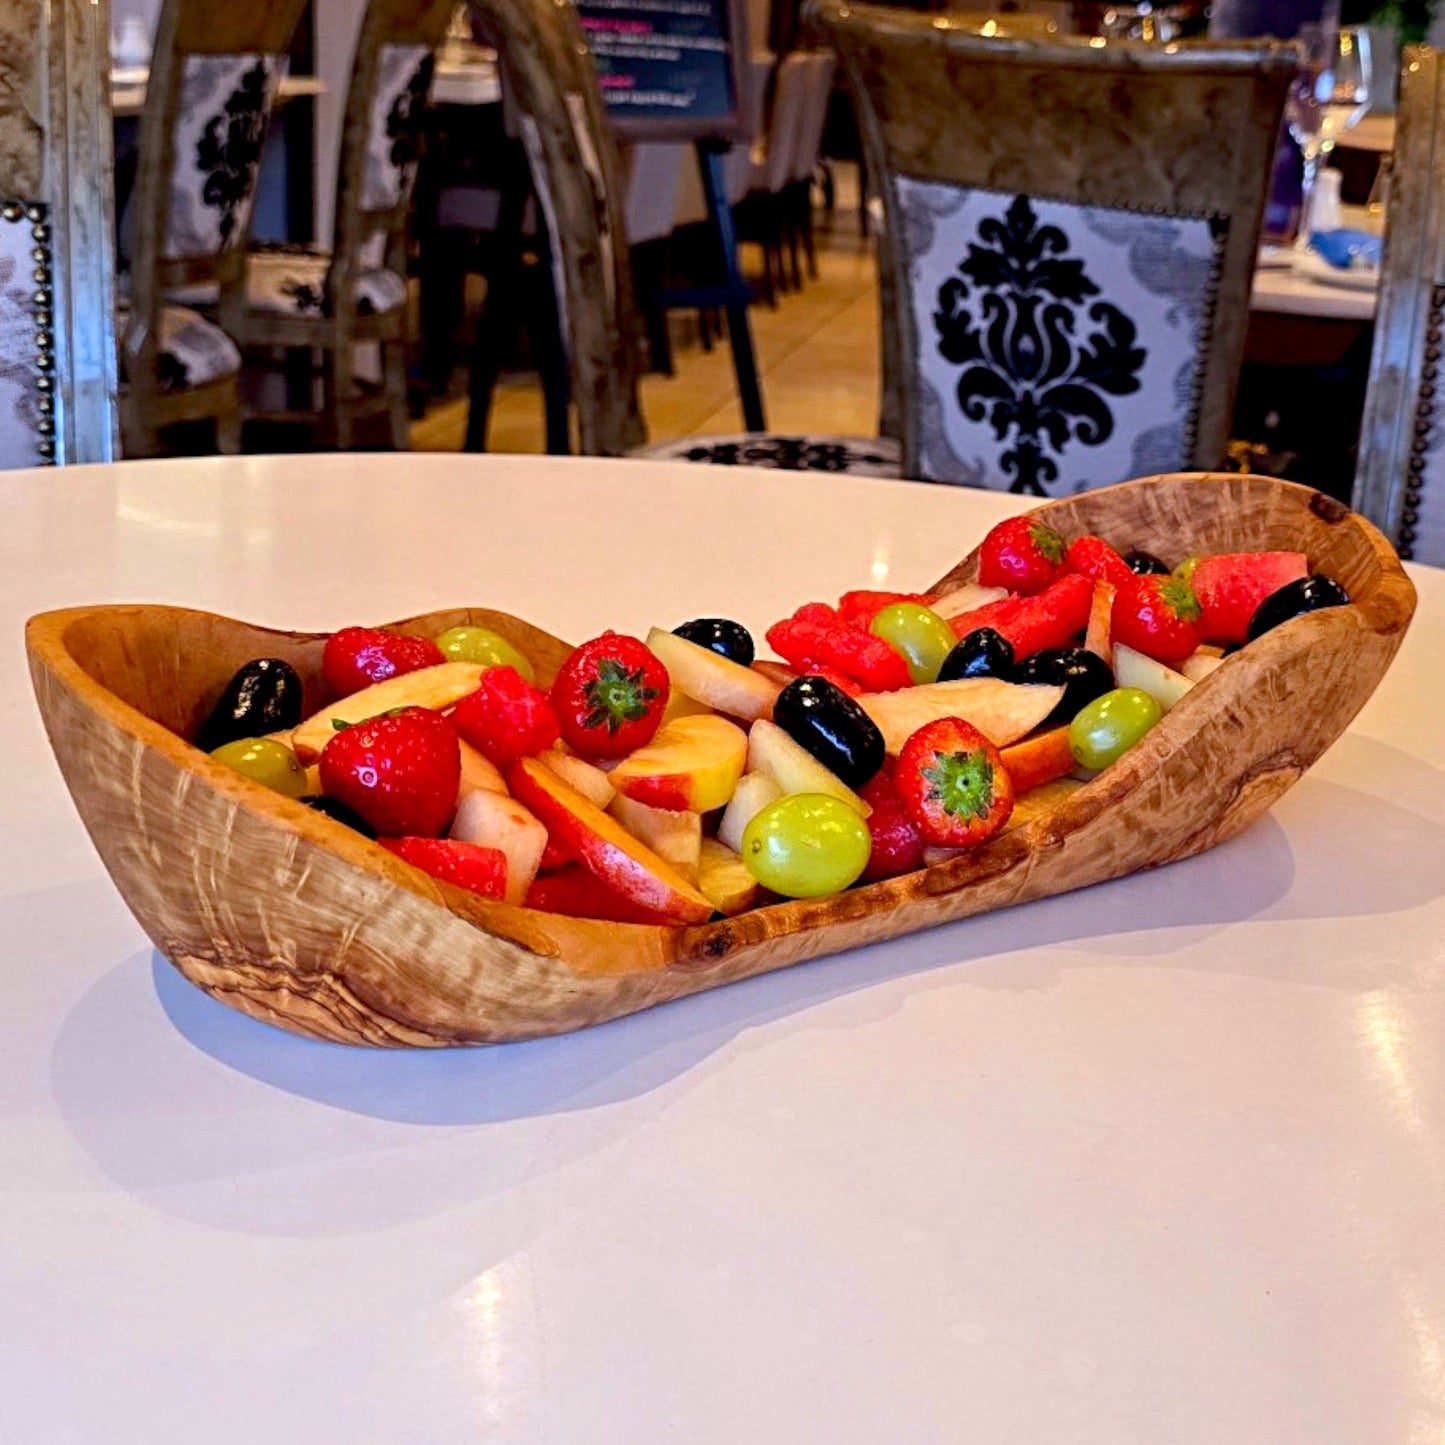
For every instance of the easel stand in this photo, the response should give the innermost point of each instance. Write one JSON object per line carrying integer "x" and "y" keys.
{"x": 734, "y": 295}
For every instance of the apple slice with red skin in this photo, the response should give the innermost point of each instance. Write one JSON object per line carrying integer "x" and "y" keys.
{"x": 494, "y": 820}
{"x": 1002, "y": 711}
{"x": 604, "y": 847}
{"x": 691, "y": 765}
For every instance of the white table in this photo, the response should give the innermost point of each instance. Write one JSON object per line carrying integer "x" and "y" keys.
{"x": 1282, "y": 291}
{"x": 1161, "y": 1161}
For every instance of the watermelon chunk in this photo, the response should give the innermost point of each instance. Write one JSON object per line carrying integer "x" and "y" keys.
{"x": 1230, "y": 586}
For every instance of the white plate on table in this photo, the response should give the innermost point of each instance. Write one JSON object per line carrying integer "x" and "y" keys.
{"x": 1355, "y": 278}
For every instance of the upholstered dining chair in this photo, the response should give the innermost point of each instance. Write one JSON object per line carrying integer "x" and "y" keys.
{"x": 57, "y": 239}
{"x": 327, "y": 302}
{"x": 1400, "y": 475}
{"x": 213, "y": 78}
{"x": 551, "y": 90}
{"x": 1070, "y": 233}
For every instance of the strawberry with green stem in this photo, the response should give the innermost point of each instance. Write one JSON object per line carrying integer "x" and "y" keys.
{"x": 1021, "y": 553}
{"x": 953, "y": 784}
{"x": 1158, "y": 616}
{"x": 609, "y": 696}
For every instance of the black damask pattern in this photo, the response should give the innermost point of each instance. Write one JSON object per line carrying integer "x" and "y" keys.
{"x": 403, "y": 121}
{"x": 1040, "y": 358}
{"x": 790, "y": 454}
{"x": 230, "y": 148}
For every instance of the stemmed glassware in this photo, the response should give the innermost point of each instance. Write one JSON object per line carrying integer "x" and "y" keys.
{"x": 1330, "y": 94}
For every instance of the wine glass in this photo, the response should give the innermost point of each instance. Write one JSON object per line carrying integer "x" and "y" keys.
{"x": 1330, "y": 94}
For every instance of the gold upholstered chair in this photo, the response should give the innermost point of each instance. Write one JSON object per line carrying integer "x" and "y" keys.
{"x": 305, "y": 300}
{"x": 1070, "y": 233}
{"x": 1400, "y": 476}
{"x": 213, "y": 79}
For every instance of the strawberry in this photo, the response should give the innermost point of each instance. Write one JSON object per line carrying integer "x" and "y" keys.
{"x": 506, "y": 718}
{"x": 577, "y": 893}
{"x": 1230, "y": 587}
{"x": 1022, "y": 554}
{"x": 954, "y": 784}
{"x": 1094, "y": 557}
{"x": 467, "y": 865}
{"x": 897, "y": 848}
{"x": 860, "y": 608}
{"x": 356, "y": 657}
{"x": 816, "y": 637}
{"x": 1158, "y": 616}
{"x": 399, "y": 772}
{"x": 609, "y": 696}
{"x": 1053, "y": 618}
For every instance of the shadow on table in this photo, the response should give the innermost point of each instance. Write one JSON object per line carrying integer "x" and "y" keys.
{"x": 135, "y": 1084}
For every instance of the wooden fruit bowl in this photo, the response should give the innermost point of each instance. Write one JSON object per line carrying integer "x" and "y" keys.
{"x": 295, "y": 919}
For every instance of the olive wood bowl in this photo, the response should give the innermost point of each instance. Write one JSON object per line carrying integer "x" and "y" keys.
{"x": 294, "y": 919}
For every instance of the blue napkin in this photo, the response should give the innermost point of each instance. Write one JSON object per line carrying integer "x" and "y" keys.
{"x": 1348, "y": 249}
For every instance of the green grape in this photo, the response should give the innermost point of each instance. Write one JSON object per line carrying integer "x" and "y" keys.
{"x": 919, "y": 633}
{"x": 1109, "y": 726}
{"x": 806, "y": 845}
{"x": 268, "y": 762}
{"x": 1185, "y": 570}
{"x": 480, "y": 644}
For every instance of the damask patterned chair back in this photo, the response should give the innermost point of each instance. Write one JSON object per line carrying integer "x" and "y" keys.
{"x": 548, "y": 80}
{"x": 213, "y": 79}
{"x": 1070, "y": 235}
{"x": 391, "y": 81}
{"x": 57, "y": 229}
{"x": 1400, "y": 477}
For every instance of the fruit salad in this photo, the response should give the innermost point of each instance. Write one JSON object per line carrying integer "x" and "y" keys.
{"x": 676, "y": 777}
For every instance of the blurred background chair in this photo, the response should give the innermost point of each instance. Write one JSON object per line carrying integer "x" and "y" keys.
{"x": 302, "y": 301}
{"x": 57, "y": 241}
{"x": 551, "y": 88}
{"x": 213, "y": 77}
{"x": 1400, "y": 477}
{"x": 1070, "y": 233}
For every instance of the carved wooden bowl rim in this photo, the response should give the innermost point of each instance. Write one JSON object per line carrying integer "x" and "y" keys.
{"x": 1382, "y": 609}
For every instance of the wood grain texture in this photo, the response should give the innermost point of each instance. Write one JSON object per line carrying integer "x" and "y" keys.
{"x": 294, "y": 919}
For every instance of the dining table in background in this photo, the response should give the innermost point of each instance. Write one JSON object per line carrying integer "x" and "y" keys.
{"x": 1159, "y": 1160}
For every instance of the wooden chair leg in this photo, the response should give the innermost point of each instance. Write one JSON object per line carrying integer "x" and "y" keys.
{"x": 337, "y": 389}
{"x": 393, "y": 372}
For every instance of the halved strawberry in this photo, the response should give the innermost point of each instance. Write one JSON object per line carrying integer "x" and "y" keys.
{"x": 1230, "y": 587}
{"x": 954, "y": 785}
{"x": 467, "y": 865}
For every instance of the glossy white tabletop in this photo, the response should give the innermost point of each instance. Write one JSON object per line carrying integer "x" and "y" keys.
{"x": 1159, "y": 1162}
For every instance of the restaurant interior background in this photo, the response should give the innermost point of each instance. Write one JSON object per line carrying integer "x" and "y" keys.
{"x": 454, "y": 338}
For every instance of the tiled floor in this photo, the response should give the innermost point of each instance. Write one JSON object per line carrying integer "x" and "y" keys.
{"x": 817, "y": 354}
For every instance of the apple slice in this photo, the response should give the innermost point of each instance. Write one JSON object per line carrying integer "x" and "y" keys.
{"x": 753, "y": 793}
{"x": 692, "y": 764}
{"x": 1163, "y": 684}
{"x": 673, "y": 836}
{"x": 431, "y": 687}
{"x": 604, "y": 847}
{"x": 479, "y": 773}
{"x": 794, "y": 769}
{"x": 494, "y": 820}
{"x": 1041, "y": 801}
{"x": 1039, "y": 760}
{"x": 1099, "y": 638}
{"x": 724, "y": 880}
{"x": 1002, "y": 711}
{"x": 588, "y": 779}
{"x": 968, "y": 598}
{"x": 679, "y": 704}
{"x": 1198, "y": 665}
{"x": 708, "y": 677}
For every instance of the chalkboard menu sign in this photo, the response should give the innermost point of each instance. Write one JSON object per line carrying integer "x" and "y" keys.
{"x": 668, "y": 68}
